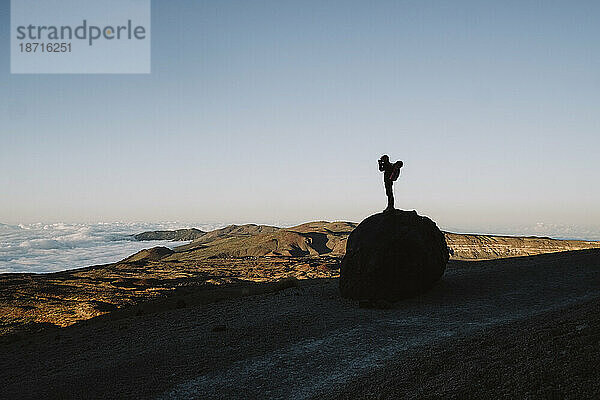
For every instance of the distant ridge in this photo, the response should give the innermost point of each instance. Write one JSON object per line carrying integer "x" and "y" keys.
{"x": 322, "y": 238}
{"x": 178, "y": 235}
{"x": 488, "y": 247}
{"x": 310, "y": 239}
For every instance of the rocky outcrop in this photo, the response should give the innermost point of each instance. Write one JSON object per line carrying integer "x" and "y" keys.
{"x": 176, "y": 235}
{"x": 391, "y": 256}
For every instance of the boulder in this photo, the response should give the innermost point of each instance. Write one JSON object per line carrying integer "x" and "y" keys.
{"x": 392, "y": 256}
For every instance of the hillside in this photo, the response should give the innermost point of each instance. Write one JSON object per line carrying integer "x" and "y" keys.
{"x": 310, "y": 239}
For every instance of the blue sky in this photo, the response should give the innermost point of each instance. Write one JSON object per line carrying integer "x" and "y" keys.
{"x": 276, "y": 111}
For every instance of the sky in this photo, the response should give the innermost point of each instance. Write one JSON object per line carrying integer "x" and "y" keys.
{"x": 277, "y": 111}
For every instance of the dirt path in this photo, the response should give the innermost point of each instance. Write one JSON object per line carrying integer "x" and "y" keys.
{"x": 297, "y": 343}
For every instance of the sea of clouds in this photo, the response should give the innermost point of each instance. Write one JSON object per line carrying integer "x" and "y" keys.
{"x": 57, "y": 247}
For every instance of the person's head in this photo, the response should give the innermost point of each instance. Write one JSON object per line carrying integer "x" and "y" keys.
{"x": 384, "y": 158}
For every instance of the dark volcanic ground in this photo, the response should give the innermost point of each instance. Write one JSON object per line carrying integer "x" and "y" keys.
{"x": 554, "y": 355}
{"x": 521, "y": 327}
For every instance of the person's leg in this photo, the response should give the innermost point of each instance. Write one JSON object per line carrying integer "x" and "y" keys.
{"x": 390, "y": 195}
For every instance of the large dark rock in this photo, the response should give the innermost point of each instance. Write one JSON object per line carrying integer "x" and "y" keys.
{"x": 391, "y": 256}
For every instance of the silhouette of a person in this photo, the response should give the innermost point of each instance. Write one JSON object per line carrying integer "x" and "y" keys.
{"x": 390, "y": 174}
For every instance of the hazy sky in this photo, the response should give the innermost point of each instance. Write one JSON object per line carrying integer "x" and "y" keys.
{"x": 269, "y": 111}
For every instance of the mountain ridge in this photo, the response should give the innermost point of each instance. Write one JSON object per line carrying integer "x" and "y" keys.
{"x": 319, "y": 238}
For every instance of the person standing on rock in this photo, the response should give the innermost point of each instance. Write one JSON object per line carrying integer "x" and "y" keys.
{"x": 391, "y": 172}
